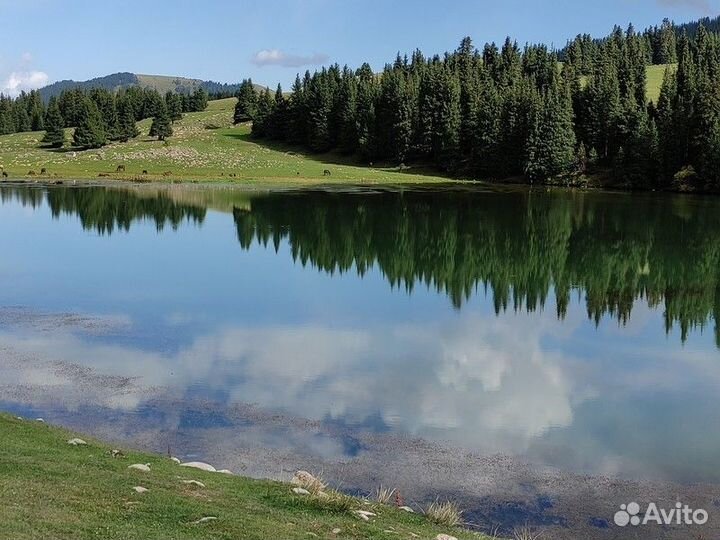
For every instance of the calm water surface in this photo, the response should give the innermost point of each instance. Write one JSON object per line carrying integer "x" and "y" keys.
{"x": 576, "y": 330}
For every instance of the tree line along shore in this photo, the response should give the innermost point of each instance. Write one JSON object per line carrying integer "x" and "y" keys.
{"x": 575, "y": 116}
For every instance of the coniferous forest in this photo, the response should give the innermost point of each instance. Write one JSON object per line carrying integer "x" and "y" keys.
{"x": 528, "y": 113}
{"x": 98, "y": 115}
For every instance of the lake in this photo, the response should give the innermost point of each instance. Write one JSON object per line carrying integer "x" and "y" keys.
{"x": 514, "y": 345}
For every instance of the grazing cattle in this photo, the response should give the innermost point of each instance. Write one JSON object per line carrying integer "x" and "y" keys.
{"x": 43, "y": 171}
{"x": 326, "y": 172}
{"x": 298, "y": 173}
{"x": 120, "y": 168}
{"x": 5, "y": 175}
{"x": 31, "y": 173}
{"x": 145, "y": 171}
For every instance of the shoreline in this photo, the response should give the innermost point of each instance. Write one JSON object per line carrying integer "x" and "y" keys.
{"x": 67, "y": 485}
{"x": 497, "y": 492}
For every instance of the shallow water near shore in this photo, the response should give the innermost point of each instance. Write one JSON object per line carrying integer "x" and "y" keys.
{"x": 540, "y": 355}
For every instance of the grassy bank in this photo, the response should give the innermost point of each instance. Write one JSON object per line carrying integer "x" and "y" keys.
{"x": 205, "y": 146}
{"x": 52, "y": 490}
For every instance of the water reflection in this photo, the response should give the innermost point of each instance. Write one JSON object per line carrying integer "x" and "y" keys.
{"x": 198, "y": 318}
{"x": 521, "y": 246}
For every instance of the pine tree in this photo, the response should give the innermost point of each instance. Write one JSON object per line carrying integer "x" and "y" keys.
{"x": 105, "y": 102}
{"x": 89, "y": 132}
{"x": 174, "y": 105}
{"x": 263, "y": 113}
{"x": 551, "y": 148}
{"x": 54, "y": 125}
{"x": 246, "y": 104}
{"x": 161, "y": 126}
{"x": 22, "y": 118}
{"x": 127, "y": 128}
{"x": 36, "y": 111}
{"x": 198, "y": 100}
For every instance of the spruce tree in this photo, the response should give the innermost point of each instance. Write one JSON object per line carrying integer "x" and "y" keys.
{"x": 54, "y": 125}
{"x": 263, "y": 114}
{"x": 89, "y": 132}
{"x": 161, "y": 125}
{"x": 174, "y": 105}
{"x": 246, "y": 104}
{"x": 127, "y": 128}
{"x": 551, "y": 147}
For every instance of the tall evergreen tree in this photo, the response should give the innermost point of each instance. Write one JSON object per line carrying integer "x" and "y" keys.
{"x": 127, "y": 128}
{"x": 54, "y": 125}
{"x": 174, "y": 105}
{"x": 247, "y": 102}
{"x": 161, "y": 126}
{"x": 89, "y": 132}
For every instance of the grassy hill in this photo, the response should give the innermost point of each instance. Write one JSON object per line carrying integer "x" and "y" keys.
{"x": 50, "y": 489}
{"x": 205, "y": 146}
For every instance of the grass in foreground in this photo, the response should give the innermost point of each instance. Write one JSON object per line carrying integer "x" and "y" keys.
{"x": 52, "y": 490}
{"x": 205, "y": 146}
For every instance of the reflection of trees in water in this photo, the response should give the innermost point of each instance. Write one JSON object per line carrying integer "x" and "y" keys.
{"x": 104, "y": 210}
{"x": 613, "y": 248}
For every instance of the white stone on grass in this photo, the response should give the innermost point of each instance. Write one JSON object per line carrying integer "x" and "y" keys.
{"x": 175, "y": 460}
{"x": 140, "y": 489}
{"x": 193, "y": 483}
{"x": 407, "y": 509}
{"x": 205, "y": 520}
{"x": 76, "y": 442}
{"x": 364, "y": 514}
{"x": 300, "y": 491}
{"x": 225, "y": 471}
{"x": 144, "y": 467}
{"x": 199, "y": 465}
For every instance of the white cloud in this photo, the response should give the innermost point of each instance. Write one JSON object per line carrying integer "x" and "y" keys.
{"x": 18, "y": 81}
{"x": 276, "y": 57}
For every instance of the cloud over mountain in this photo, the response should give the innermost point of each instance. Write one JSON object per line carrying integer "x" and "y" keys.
{"x": 276, "y": 57}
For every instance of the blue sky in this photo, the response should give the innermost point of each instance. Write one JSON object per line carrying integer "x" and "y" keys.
{"x": 224, "y": 40}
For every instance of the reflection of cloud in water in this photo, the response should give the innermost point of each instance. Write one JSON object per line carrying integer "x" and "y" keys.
{"x": 484, "y": 383}
{"x": 472, "y": 381}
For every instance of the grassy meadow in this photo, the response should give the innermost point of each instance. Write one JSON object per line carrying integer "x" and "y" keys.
{"x": 205, "y": 146}
{"x": 52, "y": 490}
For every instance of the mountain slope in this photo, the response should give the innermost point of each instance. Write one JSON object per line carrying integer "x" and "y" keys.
{"x": 161, "y": 83}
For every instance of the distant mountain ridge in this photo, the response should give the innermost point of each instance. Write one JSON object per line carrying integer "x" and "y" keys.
{"x": 161, "y": 83}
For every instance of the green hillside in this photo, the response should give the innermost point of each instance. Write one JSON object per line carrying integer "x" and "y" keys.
{"x": 51, "y": 489}
{"x": 655, "y": 76}
{"x": 205, "y": 146}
